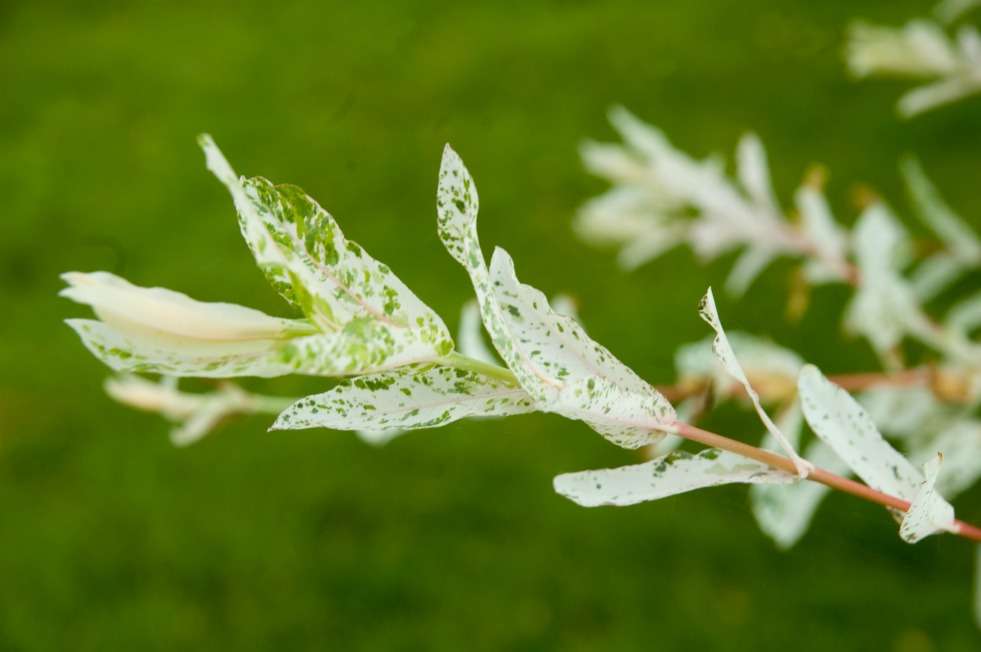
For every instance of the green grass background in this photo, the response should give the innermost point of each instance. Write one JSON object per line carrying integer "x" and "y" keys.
{"x": 110, "y": 539}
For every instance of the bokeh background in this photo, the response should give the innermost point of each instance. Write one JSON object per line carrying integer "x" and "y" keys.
{"x": 111, "y": 539}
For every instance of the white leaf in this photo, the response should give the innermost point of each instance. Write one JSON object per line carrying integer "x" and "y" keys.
{"x": 956, "y": 234}
{"x": 929, "y": 513}
{"x": 669, "y": 475}
{"x": 723, "y": 351}
{"x": 784, "y": 513}
{"x": 819, "y": 225}
{"x": 920, "y": 49}
{"x": 550, "y": 354}
{"x": 930, "y": 96}
{"x": 196, "y": 414}
{"x": 959, "y": 440}
{"x": 965, "y": 316}
{"x": 754, "y": 173}
{"x": 363, "y": 346}
{"x": 935, "y": 274}
{"x": 406, "y": 399}
{"x": 847, "y": 428}
{"x": 747, "y": 267}
{"x": 161, "y": 312}
{"x": 902, "y": 411}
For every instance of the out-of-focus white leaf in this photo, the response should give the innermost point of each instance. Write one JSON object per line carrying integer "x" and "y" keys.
{"x": 405, "y": 399}
{"x": 772, "y": 369}
{"x": 960, "y": 442}
{"x": 823, "y": 232}
{"x": 959, "y": 238}
{"x": 929, "y": 513}
{"x": 754, "y": 173}
{"x": 748, "y": 266}
{"x": 935, "y": 274}
{"x": 651, "y": 244}
{"x": 613, "y": 162}
{"x": 723, "y": 350}
{"x": 196, "y": 414}
{"x": 920, "y": 49}
{"x": 847, "y": 428}
{"x": 552, "y": 357}
{"x": 784, "y": 513}
{"x": 669, "y": 475}
{"x": 902, "y": 411}
{"x": 965, "y": 316}
{"x": 930, "y": 96}
{"x": 950, "y": 10}
{"x": 884, "y": 308}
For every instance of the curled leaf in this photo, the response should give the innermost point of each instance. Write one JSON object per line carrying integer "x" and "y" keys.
{"x": 723, "y": 351}
{"x": 550, "y": 354}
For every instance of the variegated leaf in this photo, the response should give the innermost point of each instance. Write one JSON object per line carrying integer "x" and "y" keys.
{"x": 162, "y": 312}
{"x": 784, "y": 513}
{"x": 928, "y": 513}
{"x": 550, "y": 354}
{"x": 306, "y": 257}
{"x": 723, "y": 351}
{"x": 841, "y": 422}
{"x": 668, "y": 475}
{"x": 363, "y": 346}
{"x": 406, "y": 399}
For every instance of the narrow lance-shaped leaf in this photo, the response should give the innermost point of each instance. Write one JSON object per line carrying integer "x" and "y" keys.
{"x": 306, "y": 257}
{"x": 162, "y": 331}
{"x": 406, "y": 399}
{"x": 550, "y": 354}
{"x": 723, "y": 351}
{"x": 668, "y": 475}
{"x": 963, "y": 249}
{"x": 784, "y": 513}
{"x": 842, "y": 423}
{"x": 363, "y": 346}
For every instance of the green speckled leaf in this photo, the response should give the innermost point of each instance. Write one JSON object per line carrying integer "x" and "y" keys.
{"x": 668, "y": 475}
{"x": 406, "y": 399}
{"x": 846, "y": 427}
{"x": 550, "y": 354}
{"x": 306, "y": 257}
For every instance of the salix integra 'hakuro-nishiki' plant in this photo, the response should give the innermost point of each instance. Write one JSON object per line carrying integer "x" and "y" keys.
{"x": 662, "y": 197}
{"x": 922, "y": 49}
{"x": 399, "y": 370}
